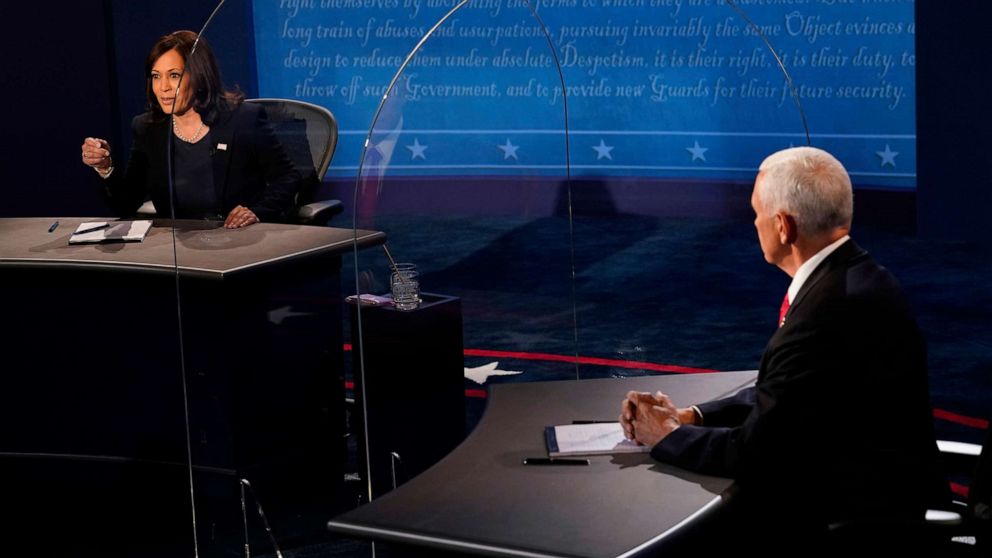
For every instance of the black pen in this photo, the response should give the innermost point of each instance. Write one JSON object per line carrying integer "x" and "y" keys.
{"x": 553, "y": 461}
{"x": 54, "y": 226}
{"x": 91, "y": 229}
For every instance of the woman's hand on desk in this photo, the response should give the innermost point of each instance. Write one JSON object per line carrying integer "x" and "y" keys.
{"x": 239, "y": 217}
{"x": 96, "y": 154}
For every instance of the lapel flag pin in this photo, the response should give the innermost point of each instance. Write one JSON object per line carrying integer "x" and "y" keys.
{"x": 222, "y": 147}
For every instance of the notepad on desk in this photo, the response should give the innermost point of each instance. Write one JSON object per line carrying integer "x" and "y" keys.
{"x": 110, "y": 231}
{"x": 604, "y": 438}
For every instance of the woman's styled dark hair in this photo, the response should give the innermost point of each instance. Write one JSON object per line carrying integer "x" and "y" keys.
{"x": 207, "y": 94}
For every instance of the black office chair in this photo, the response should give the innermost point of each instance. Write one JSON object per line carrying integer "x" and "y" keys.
{"x": 964, "y": 529}
{"x": 309, "y": 134}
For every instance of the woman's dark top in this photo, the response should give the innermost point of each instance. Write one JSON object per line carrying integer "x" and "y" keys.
{"x": 249, "y": 168}
{"x": 194, "y": 180}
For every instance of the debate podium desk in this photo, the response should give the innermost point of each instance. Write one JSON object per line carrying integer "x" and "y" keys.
{"x": 482, "y": 500}
{"x": 101, "y": 381}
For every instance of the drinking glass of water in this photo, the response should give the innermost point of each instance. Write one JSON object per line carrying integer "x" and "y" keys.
{"x": 405, "y": 285}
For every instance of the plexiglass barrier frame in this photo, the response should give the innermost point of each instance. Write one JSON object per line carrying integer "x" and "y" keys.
{"x": 432, "y": 223}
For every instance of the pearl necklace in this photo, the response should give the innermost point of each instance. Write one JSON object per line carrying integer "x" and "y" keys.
{"x": 196, "y": 134}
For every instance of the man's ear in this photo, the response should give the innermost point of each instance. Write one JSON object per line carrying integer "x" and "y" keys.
{"x": 785, "y": 224}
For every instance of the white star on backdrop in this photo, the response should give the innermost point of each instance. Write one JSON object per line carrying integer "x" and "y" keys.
{"x": 509, "y": 150}
{"x": 480, "y": 374}
{"x": 888, "y": 156}
{"x": 603, "y": 150}
{"x": 417, "y": 150}
{"x": 697, "y": 152}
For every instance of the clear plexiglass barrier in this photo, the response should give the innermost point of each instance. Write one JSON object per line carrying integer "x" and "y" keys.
{"x": 465, "y": 169}
{"x": 536, "y": 193}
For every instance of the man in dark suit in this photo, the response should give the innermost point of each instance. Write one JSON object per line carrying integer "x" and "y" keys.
{"x": 838, "y": 426}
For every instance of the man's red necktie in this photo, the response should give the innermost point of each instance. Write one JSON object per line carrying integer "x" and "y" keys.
{"x": 783, "y": 310}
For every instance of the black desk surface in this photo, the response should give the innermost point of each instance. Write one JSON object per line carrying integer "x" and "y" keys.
{"x": 481, "y": 499}
{"x": 202, "y": 249}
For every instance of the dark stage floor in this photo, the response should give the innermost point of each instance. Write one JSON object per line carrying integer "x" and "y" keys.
{"x": 680, "y": 292}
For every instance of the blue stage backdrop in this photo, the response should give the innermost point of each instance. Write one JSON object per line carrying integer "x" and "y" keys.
{"x": 656, "y": 88}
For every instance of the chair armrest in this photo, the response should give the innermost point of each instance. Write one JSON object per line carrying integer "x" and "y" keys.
{"x": 935, "y": 519}
{"x": 943, "y": 517}
{"x": 959, "y": 448}
{"x": 319, "y": 212}
{"x": 936, "y": 530}
{"x": 959, "y": 458}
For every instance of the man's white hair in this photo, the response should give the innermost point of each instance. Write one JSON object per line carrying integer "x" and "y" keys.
{"x": 809, "y": 184}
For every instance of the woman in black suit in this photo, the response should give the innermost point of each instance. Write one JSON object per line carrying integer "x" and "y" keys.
{"x": 228, "y": 163}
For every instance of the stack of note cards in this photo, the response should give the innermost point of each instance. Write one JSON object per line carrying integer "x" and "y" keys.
{"x": 110, "y": 231}
{"x": 590, "y": 439}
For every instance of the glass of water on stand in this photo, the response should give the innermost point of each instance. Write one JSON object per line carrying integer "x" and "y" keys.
{"x": 404, "y": 284}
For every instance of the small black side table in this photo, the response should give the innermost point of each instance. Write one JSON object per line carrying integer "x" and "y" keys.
{"x": 413, "y": 386}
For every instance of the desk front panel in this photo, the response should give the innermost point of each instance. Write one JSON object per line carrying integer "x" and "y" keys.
{"x": 96, "y": 371}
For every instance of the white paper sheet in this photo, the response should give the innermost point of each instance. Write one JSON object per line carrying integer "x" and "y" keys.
{"x": 591, "y": 439}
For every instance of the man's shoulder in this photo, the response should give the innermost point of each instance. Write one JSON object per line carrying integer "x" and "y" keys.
{"x": 866, "y": 274}
{"x": 851, "y": 265}
{"x": 857, "y": 289}
{"x": 849, "y": 283}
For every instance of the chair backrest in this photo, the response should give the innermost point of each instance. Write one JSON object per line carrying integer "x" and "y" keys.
{"x": 308, "y": 132}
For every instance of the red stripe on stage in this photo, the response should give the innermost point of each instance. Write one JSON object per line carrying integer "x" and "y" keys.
{"x": 589, "y": 360}
{"x": 940, "y": 414}
{"x": 960, "y": 419}
{"x": 672, "y": 368}
{"x": 640, "y": 365}
{"x": 959, "y": 489}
